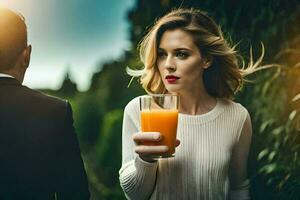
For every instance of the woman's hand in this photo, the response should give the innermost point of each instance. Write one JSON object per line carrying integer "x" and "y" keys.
{"x": 147, "y": 145}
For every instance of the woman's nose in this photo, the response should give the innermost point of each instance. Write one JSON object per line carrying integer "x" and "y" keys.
{"x": 170, "y": 64}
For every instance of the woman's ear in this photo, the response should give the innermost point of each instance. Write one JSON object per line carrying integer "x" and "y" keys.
{"x": 207, "y": 61}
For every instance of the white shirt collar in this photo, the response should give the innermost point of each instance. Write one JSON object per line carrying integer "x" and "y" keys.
{"x": 6, "y": 75}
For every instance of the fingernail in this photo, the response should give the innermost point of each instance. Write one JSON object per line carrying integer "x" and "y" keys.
{"x": 156, "y": 137}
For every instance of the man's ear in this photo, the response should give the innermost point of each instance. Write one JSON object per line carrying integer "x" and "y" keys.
{"x": 26, "y": 56}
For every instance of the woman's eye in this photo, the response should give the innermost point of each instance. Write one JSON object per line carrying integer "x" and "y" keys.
{"x": 160, "y": 54}
{"x": 181, "y": 55}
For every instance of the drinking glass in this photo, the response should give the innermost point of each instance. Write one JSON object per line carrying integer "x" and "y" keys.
{"x": 159, "y": 113}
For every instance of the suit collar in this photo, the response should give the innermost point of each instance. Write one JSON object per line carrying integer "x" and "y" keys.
{"x": 6, "y": 75}
{"x": 9, "y": 81}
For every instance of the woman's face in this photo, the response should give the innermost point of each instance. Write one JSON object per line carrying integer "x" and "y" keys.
{"x": 180, "y": 62}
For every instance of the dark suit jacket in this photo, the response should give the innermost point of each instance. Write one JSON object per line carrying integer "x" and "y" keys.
{"x": 39, "y": 153}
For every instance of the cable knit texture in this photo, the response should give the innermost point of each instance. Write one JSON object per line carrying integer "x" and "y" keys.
{"x": 199, "y": 169}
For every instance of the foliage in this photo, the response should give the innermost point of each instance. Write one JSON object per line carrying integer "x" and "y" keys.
{"x": 109, "y": 148}
{"x": 280, "y": 129}
{"x": 88, "y": 118}
{"x": 105, "y": 157}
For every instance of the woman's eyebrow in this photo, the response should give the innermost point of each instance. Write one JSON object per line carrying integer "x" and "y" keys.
{"x": 182, "y": 49}
{"x": 177, "y": 49}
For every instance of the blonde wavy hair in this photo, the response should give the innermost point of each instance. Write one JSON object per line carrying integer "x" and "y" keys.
{"x": 222, "y": 79}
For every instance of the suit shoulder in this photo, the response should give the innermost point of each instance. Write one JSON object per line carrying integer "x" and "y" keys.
{"x": 40, "y": 97}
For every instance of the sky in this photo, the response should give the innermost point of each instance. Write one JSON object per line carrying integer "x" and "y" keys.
{"x": 74, "y": 35}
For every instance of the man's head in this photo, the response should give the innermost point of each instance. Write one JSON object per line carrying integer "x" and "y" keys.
{"x": 14, "y": 51}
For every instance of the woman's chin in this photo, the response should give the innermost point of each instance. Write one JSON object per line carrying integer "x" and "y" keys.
{"x": 172, "y": 89}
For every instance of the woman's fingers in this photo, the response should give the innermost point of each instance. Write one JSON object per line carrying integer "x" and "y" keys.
{"x": 140, "y": 137}
{"x": 147, "y": 145}
{"x": 146, "y": 136}
{"x": 149, "y": 150}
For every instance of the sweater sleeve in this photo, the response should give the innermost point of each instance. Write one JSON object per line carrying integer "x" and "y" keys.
{"x": 137, "y": 177}
{"x": 240, "y": 155}
{"x": 241, "y": 192}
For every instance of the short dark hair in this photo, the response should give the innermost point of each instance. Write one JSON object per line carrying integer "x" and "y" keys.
{"x": 13, "y": 37}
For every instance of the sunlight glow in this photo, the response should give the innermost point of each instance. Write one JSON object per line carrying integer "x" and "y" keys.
{"x": 56, "y": 44}
{"x": 11, "y": 4}
{"x": 5, "y": 2}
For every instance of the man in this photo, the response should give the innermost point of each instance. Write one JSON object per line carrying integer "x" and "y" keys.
{"x": 39, "y": 153}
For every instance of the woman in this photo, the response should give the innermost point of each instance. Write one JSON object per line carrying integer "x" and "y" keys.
{"x": 185, "y": 53}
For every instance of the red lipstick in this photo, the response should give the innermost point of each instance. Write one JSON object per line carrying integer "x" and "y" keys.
{"x": 171, "y": 79}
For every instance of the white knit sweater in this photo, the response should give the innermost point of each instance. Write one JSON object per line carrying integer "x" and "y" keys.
{"x": 199, "y": 169}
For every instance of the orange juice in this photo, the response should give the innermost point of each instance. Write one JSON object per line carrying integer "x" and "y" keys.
{"x": 163, "y": 121}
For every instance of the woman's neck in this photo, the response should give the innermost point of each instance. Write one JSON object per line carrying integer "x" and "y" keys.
{"x": 196, "y": 103}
